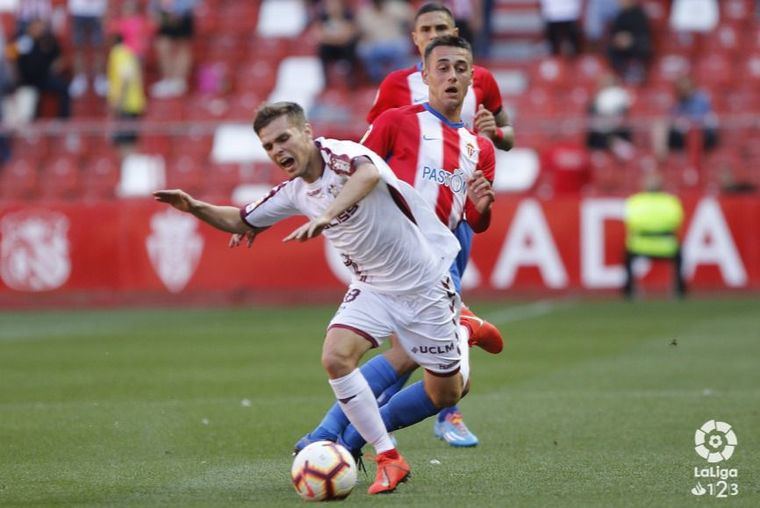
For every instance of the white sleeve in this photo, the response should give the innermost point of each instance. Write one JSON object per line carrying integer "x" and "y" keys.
{"x": 272, "y": 208}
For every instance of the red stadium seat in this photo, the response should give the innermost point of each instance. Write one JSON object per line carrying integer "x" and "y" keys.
{"x": 60, "y": 178}
{"x": 549, "y": 72}
{"x": 715, "y": 72}
{"x": 30, "y": 146}
{"x": 187, "y": 173}
{"x": 100, "y": 178}
{"x": 737, "y": 11}
{"x": 19, "y": 180}
{"x": 669, "y": 67}
{"x": 750, "y": 70}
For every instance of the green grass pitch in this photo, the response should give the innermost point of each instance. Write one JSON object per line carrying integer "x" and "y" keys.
{"x": 590, "y": 404}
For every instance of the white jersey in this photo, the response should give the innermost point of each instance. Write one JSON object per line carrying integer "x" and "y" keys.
{"x": 391, "y": 240}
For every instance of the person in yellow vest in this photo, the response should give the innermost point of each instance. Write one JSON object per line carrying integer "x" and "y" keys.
{"x": 652, "y": 221}
{"x": 126, "y": 96}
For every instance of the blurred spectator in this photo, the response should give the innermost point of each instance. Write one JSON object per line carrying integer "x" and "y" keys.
{"x": 30, "y": 10}
{"x": 692, "y": 113}
{"x": 652, "y": 220}
{"x": 630, "y": 42}
{"x": 608, "y": 118}
{"x": 87, "y": 33}
{"x": 126, "y": 97}
{"x": 482, "y": 44}
{"x": 40, "y": 65}
{"x": 596, "y": 23}
{"x": 134, "y": 27}
{"x": 561, "y": 19}
{"x": 384, "y": 42}
{"x": 176, "y": 24}
{"x": 6, "y": 86}
{"x": 567, "y": 166}
{"x": 337, "y": 36}
{"x": 467, "y": 17}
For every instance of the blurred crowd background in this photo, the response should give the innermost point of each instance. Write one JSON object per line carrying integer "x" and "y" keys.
{"x": 108, "y": 99}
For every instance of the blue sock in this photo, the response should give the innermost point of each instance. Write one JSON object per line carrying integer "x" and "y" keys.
{"x": 445, "y": 412}
{"x": 407, "y": 407}
{"x": 392, "y": 390}
{"x": 379, "y": 374}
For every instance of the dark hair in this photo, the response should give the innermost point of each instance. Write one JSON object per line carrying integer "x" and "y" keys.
{"x": 453, "y": 41}
{"x": 270, "y": 112}
{"x": 433, "y": 7}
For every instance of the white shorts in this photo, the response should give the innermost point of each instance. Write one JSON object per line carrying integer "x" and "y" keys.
{"x": 426, "y": 323}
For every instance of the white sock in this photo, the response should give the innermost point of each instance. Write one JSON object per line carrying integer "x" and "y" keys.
{"x": 464, "y": 347}
{"x": 359, "y": 404}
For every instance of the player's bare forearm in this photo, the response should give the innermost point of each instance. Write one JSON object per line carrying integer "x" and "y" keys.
{"x": 365, "y": 178}
{"x": 224, "y": 218}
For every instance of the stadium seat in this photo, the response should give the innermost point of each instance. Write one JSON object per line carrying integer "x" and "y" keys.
{"x": 715, "y": 72}
{"x": 750, "y": 70}
{"x": 549, "y": 72}
{"x": 101, "y": 175}
{"x": 30, "y": 145}
{"x": 669, "y": 67}
{"x": 587, "y": 69}
{"x": 187, "y": 173}
{"x": 19, "y": 180}
{"x": 60, "y": 178}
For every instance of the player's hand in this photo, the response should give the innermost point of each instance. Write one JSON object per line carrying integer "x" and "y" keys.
{"x": 485, "y": 122}
{"x": 179, "y": 199}
{"x": 237, "y": 238}
{"x": 480, "y": 191}
{"x": 309, "y": 230}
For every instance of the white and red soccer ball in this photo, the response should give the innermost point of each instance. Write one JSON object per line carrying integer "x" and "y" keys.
{"x": 323, "y": 471}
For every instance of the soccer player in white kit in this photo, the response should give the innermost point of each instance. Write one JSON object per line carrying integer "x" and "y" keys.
{"x": 385, "y": 232}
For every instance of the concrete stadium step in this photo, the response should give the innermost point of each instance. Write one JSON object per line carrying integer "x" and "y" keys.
{"x": 518, "y": 30}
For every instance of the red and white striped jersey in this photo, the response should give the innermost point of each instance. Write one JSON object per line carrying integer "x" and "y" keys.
{"x": 405, "y": 86}
{"x": 391, "y": 240}
{"x": 435, "y": 156}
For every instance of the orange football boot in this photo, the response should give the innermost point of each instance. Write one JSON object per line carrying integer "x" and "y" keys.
{"x": 392, "y": 469}
{"x": 482, "y": 333}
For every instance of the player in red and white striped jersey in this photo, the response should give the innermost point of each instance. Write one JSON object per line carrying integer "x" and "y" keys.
{"x": 482, "y": 109}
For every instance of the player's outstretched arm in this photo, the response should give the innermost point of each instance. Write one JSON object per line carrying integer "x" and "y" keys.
{"x": 225, "y": 218}
{"x": 359, "y": 184}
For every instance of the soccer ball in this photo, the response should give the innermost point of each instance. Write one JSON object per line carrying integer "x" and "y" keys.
{"x": 323, "y": 471}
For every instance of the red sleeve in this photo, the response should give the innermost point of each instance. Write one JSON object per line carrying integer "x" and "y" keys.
{"x": 381, "y": 135}
{"x": 491, "y": 93}
{"x": 487, "y": 164}
{"x": 391, "y": 94}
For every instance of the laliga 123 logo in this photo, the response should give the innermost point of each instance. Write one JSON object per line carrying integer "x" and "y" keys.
{"x": 715, "y": 442}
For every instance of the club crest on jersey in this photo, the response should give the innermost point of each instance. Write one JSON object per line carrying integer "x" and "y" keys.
{"x": 471, "y": 151}
{"x": 341, "y": 164}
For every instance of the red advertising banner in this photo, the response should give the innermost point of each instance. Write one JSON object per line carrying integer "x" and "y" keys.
{"x": 140, "y": 251}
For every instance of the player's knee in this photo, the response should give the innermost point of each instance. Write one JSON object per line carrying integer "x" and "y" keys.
{"x": 400, "y": 361}
{"x": 445, "y": 397}
{"x": 337, "y": 364}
